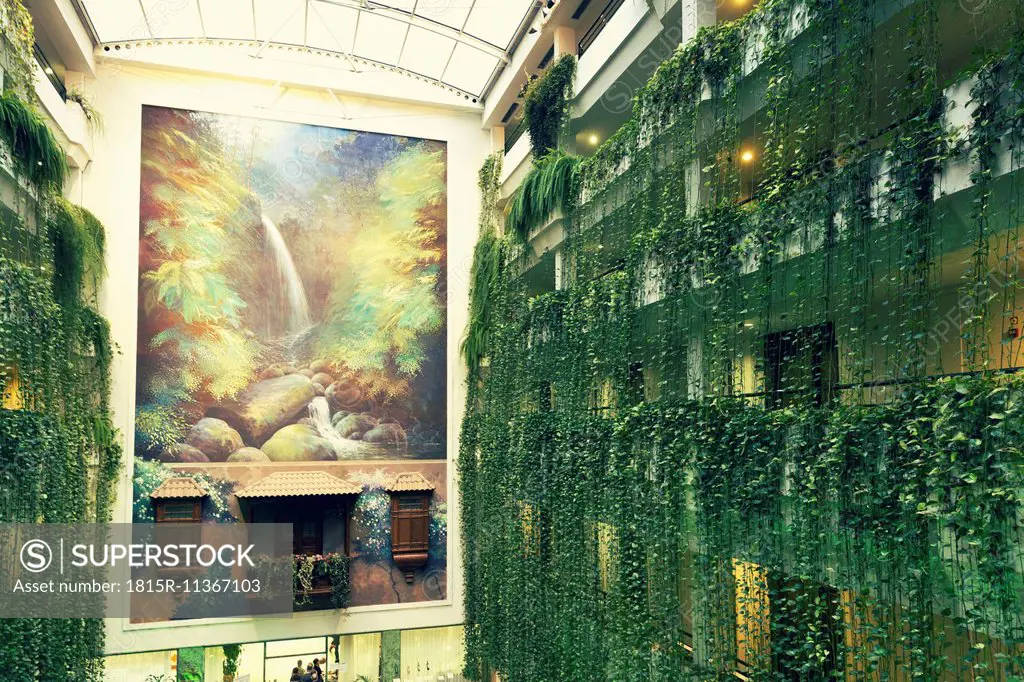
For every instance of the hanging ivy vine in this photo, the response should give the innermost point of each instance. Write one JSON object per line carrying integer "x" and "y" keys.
{"x": 771, "y": 424}
{"x": 546, "y": 106}
{"x": 59, "y": 452}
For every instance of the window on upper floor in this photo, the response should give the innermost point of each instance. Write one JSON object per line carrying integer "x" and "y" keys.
{"x": 753, "y": 639}
{"x": 605, "y": 539}
{"x": 590, "y": 34}
{"x": 410, "y": 522}
{"x": 806, "y": 628}
{"x": 529, "y": 524}
{"x": 179, "y": 511}
{"x": 801, "y": 364}
{"x": 308, "y": 536}
{"x": 50, "y": 62}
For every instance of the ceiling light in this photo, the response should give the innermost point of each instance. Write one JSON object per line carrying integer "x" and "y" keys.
{"x": 746, "y": 156}
{"x": 593, "y": 139}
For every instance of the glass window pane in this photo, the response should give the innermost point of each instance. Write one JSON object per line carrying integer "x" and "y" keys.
{"x": 330, "y": 27}
{"x": 426, "y": 52}
{"x": 173, "y": 20}
{"x": 379, "y": 38}
{"x": 469, "y": 69}
{"x": 231, "y": 19}
{"x": 496, "y": 21}
{"x": 117, "y": 21}
{"x": 281, "y": 21}
{"x": 177, "y": 511}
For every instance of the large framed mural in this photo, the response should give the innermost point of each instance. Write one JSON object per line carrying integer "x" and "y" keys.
{"x": 292, "y": 353}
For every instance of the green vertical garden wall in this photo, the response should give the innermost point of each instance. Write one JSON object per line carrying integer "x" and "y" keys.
{"x": 59, "y": 454}
{"x": 770, "y": 425}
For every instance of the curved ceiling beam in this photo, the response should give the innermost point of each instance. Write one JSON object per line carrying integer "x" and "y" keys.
{"x": 113, "y": 49}
{"x": 412, "y": 19}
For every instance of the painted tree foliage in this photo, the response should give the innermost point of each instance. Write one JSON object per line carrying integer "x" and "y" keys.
{"x": 271, "y": 249}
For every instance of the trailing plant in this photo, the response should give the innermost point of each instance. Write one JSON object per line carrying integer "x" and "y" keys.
{"x": 770, "y": 424}
{"x": 19, "y": 38}
{"x": 310, "y": 570}
{"x": 487, "y": 256}
{"x": 191, "y": 664}
{"x": 549, "y": 186}
{"x": 338, "y": 573}
{"x": 60, "y": 454}
{"x": 35, "y": 151}
{"x": 546, "y": 106}
{"x": 78, "y": 253}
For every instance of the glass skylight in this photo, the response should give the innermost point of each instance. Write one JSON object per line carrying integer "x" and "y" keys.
{"x": 458, "y": 43}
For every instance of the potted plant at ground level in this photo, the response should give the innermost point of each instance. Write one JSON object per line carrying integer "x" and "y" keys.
{"x": 231, "y": 654}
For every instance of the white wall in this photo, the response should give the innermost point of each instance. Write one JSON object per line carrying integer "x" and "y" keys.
{"x": 111, "y": 191}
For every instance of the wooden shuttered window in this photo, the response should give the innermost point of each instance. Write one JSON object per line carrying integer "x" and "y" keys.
{"x": 410, "y": 523}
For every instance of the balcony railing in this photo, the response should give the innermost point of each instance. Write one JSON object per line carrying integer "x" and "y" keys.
{"x": 595, "y": 30}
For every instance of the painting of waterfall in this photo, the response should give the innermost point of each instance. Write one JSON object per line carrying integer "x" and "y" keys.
{"x": 291, "y": 293}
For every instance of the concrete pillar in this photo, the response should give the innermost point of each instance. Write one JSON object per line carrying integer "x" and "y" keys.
{"x": 565, "y": 41}
{"x": 75, "y": 79}
{"x": 498, "y": 138}
{"x": 696, "y": 15}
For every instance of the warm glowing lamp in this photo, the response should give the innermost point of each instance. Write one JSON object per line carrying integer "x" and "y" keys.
{"x": 746, "y": 156}
{"x": 594, "y": 139}
{"x": 11, "y": 399}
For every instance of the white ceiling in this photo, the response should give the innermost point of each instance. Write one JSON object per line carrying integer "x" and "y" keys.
{"x": 459, "y": 43}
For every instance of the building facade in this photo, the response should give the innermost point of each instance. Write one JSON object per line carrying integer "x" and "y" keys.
{"x": 726, "y": 388}
{"x": 747, "y": 336}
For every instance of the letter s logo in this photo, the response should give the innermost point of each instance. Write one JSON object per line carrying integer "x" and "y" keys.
{"x": 36, "y": 556}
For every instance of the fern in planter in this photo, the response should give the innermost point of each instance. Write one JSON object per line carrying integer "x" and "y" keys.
{"x": 92, "y": 114}
{"x": 36, "y": 152}
{"x": 551, "y": 185}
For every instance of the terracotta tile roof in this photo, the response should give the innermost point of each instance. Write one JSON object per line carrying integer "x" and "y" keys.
{"x": 178, "y": 488}
{"x": 299, "y": 484}
{"x": 408, "y": 481}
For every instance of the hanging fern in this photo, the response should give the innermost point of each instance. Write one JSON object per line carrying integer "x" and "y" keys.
{"x": 550, "y": 186}
{"x": 36, "y": 152}
{"x": 484, "y": 278}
